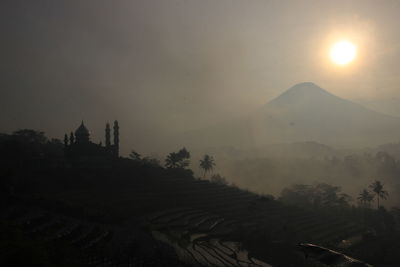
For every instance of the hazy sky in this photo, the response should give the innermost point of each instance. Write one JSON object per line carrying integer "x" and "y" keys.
{"x": 168, "y": 65}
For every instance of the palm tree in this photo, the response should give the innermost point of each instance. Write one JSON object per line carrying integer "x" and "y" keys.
{"x": 377, "y": 188}
{"x": 207, "y": 164}
{"x": 180, "y": 159}
{"x": 365, "y": 197}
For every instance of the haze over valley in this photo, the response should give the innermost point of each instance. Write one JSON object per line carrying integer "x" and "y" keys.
{"x": 305, "y": 112}
{"x": 199, "y": 133}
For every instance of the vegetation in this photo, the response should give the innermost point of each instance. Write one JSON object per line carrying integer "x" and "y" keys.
{"x": 207, "y": 164}
{"x": 316, "y": 196}
{"x": 269, "y": 174}
{"x": 377, "y": 188}
{"x": 136, "y": 157}
{"x": 180, "y": 159}
{"x": 218, "y": 179}
{"x": 365, "y": 198}
{"x": 96, "y": 212}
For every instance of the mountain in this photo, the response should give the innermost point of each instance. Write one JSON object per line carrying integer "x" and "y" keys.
{"x": 303, "y": 113}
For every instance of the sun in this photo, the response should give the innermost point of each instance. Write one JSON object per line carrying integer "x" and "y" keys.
{"x": 343, "y": 52}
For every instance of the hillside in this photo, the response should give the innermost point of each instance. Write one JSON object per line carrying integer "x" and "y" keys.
{"x": 94, "y": 212}
{"x": 87, "y": 211}
{"x": 305, "y": 112}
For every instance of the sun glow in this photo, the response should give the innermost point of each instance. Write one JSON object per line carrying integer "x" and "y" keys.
{"x": 343, "y": 52}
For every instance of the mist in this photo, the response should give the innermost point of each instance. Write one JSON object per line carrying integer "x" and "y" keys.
{"x": 180, "y": 65}
{"x": 199, "y": 133}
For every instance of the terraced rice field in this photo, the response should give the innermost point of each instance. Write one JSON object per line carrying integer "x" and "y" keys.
{"x": 93, "y": 242}
{"x": 205, "y": 238}
{"x": 205, "y": 223}
{"x": 196, "y": 237}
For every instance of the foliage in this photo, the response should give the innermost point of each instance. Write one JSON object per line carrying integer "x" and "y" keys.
{"x": 317, "y": 196}
{"x": 377, "y": 188}
{"x": 365, "y": 198}
{"x": 218, "y": 179}
{"x": 272, "y": 173}
{"x": 25, "y": 149}
{"x": 137, "y": 180}
{"x": 151, "y": 161}
{"x": 30, "y": 136}
{"x": 135, "y": 156}
{"x": 180, "y": 159}
{"x": 207, "y": 164}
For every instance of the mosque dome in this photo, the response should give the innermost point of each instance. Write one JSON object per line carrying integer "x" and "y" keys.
{"x": 82, "y": 134}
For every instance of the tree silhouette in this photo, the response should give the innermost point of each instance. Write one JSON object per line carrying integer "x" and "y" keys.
{"x": 317, "y": 196}
{"x": 71, "y": 138}
{"x": 149, "y": 161}
{"x": 218, "y": 179}
{"x": 377, "y": 188}
{"x": 135, "y": 156}
{"x": 180, "y": 159}
{"x": 30, "y": 136}
{"x": 207, "y": 164}
{"x": 365, "y": 198}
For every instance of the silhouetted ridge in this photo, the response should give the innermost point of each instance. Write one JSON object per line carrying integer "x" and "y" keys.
{"x": 305, "y": 87}
{"x": 306, "y": 90}
{"x": 304, "y": 112}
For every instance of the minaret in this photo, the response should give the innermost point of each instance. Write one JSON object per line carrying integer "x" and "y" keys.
{"x": 116, "y": 138}
{"x": 108, "y": 136}
{"x": 71, "y": 138}
{"x": 66, "y": 140}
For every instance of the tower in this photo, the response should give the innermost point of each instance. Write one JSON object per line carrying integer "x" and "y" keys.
{"x": 116, "y": 138}
{"x": 66, "y": 140}
{"x": 82, "y": 134}
{"x": 71, "y": 138}
{"x": 79, "y": 145}
{"x": 108, "y": 136}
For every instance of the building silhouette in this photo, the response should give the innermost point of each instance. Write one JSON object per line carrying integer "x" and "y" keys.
{"x": 79, "y": 146}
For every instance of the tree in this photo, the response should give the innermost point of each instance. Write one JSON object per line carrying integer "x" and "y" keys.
{"x": 218, "y": 179}
{"x": 180, "y": 159}
{"x": 30, "y": 136}
{"x": 318, "y": 196}
{"x": 298, "y": 194}
{"x": 377, "y": 188}
{"x": 207, "y": 164}
{"x": 135, "y": 156}
{"x": 325, "y": 195}
{"x": 365, "y": 197}
{"x": 30, "y": 144}
{"x": 71, "y": 138}
{"x": 151, "y": 161}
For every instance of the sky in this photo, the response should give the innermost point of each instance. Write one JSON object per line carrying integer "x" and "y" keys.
{"x": 166, "y": 66}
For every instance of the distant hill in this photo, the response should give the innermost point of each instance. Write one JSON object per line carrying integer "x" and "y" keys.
{"x": 303, "y": 113}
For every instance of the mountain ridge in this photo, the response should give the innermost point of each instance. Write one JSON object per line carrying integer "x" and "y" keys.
{"x": 306, "y": 88}
{"x": 305, "y": 112}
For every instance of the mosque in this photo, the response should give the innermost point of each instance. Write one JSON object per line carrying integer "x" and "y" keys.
{"x": 78, "y": 144}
